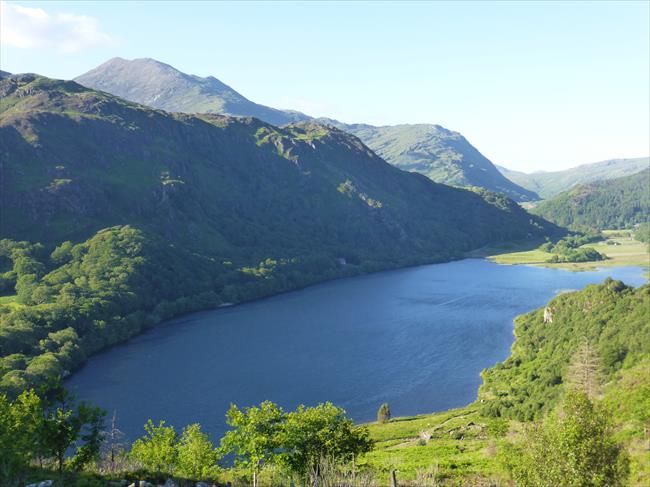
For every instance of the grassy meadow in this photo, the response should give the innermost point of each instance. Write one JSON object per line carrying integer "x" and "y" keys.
{"x": 451, "y": 446}
{"x": 619, "y": 246}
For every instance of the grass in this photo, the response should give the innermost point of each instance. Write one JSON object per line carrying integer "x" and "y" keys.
{"x": 446, "y": 446}
{"x": 628, "y": 397}
{"x": 619, "y": 246}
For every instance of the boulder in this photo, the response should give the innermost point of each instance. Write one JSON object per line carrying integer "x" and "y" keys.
{"x": 44, "y": 483}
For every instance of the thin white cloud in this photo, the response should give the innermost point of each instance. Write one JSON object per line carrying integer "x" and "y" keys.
{"x": 32, "y": 28}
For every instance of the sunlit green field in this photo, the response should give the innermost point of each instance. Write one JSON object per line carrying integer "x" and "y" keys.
{"x": 460, "y": 447}
{"x": 620, "y": 248}
{"x": 428, "y": 449}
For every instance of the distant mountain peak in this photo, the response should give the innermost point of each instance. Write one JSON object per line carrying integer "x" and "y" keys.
{"x": 159, "y": 85}
{"x": 441, "y": 154}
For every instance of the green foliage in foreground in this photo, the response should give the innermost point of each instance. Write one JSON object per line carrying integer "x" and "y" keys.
{"x": 303, "y": 444}
{"x": 612, "y": 316}
{"x": 163, "y": 452}
{"x": 46, "y": 427}
{"x": 254, "y": 437}
{"x": 573, "y": 447}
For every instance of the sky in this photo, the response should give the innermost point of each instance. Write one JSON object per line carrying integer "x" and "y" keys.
{"x": 534, "y": 86}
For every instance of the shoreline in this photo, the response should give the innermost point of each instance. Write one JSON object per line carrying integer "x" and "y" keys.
{"x": 471, "y": 255}
{"x": 219, "y": 314}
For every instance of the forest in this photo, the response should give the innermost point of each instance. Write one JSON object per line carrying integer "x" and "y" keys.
{"x": 80, "y": 298}
{"x": 610, "y": 204}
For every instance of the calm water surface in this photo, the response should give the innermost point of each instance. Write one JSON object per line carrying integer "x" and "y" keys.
{"x": 416, "y": 338}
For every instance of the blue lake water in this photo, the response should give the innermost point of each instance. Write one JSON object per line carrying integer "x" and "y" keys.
{"x": 416, "y": 338}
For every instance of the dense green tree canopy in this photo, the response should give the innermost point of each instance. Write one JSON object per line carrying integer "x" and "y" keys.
{"x": 612, "y": 317}
{"x": 615, "y": 203}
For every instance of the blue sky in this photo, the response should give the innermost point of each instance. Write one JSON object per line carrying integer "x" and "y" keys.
{"x": 534, "y": 86}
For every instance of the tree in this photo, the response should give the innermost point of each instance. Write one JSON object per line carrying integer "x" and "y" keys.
{"x": 254, "y": 437}
{"x": 112, "y": 442}
{"x": 196, "y": 456}
{"x": 323, "y": 433}
{"x": 65, "y": 422}
{"x": 584, "y": 371}
{"x": 20, "y": 424}
{"x": 92, "y": 436}
{"x": 157, "y": 449}
{"x": 574, "y": 447}
{"x": 383, "y": 414}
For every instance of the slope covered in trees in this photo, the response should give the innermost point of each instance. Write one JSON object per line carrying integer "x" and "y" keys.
{"x": 440, "y": 154}
{"x": 612, "y": 204}
{"x": 611, "y": 318}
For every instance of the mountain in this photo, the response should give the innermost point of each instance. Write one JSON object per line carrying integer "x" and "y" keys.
{"x": 116, "y": 216}
{"x": 4, "y": 74}
{"x": 548, "y": 184}
{"x": 159, "y": 85}
{"x": 440, "y": 154}
{"x": 77, "y": 160}
{"x": 613, "y": 203}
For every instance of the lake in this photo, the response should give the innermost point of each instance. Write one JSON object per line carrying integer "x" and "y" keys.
{"x": 416, "y": 338}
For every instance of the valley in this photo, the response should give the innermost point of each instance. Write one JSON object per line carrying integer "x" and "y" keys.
{"x": 198, "y": 289}
{"x": 620, "y": 247}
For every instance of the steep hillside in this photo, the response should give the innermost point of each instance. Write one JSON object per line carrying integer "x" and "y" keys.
{"x": 548, "y": 184}
{"x": 77, "y": 160}
{"x": 201, "y": 211}
{"x": 614, "y": 203}
{"x": 612, "y": 318}
{"x": 440, "y": 154}
{"x": 159, "y": 85}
